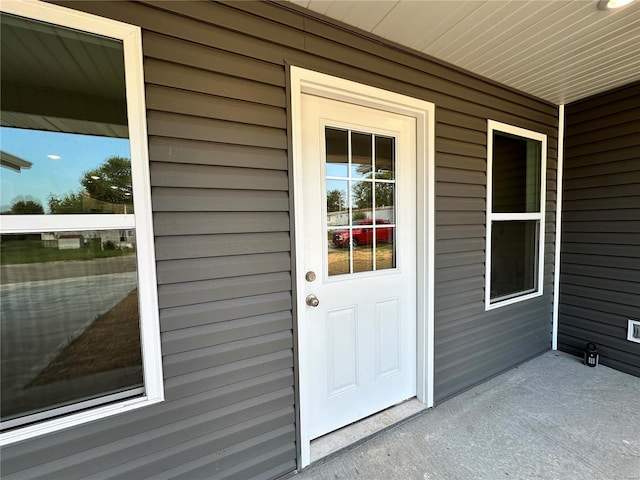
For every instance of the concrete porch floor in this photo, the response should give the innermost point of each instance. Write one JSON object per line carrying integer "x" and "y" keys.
{"x": 550, "y": 418}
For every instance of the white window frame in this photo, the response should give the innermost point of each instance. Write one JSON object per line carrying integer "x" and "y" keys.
{"x": 141, "y": 221}
{"x": 491, "y": 217}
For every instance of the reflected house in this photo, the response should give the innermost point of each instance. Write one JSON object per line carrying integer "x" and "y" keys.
{"x": 341, "y": 217}
{"x": 49, "y": 240}
{"x": 88, "y": 204}
{"x": 70, "y": 242}
{"x": 92, "y": 205}
{"x": 127, "y": 238}
{"x": 74, "y": 240}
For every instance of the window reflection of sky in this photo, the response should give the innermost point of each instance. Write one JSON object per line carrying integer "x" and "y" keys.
{"x": 337, "y": 185}
{"x": 337, "y": 170}
{"x": 47, "y": 176}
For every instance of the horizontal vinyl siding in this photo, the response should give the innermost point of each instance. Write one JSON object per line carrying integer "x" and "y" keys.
{"x": 215, "y": 83}
{"x": 600, "y": 262}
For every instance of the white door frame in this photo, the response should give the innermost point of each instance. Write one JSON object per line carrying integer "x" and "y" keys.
{"x": 309, "y": 82}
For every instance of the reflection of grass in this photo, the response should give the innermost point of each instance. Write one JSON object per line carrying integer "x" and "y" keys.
{"x": 362, "y": 259}
{"x": 112, "y": 341}
{"x": 32, "y": 251}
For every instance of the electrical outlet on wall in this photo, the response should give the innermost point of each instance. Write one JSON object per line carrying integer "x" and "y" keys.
{"x": 633, "y": 331}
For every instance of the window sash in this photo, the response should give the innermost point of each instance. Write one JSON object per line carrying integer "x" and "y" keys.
{"x": 491, "y": 217}
{"x": 141, "y": 220}
{"x": 72, "y": 408}
{"x": 528, "y": 252}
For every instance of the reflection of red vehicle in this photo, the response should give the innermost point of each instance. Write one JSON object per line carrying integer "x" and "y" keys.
{"x": 363, "y": 236}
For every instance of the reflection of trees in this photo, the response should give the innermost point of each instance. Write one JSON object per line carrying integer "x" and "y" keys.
{"x": 26, "y": 207}
{"x": 363, "y": 191}
{"x": 70, "y": 203}
{"x": 336, "y": 201}
{"x": 110, "y": 182}
{"x": 105, "y": 188}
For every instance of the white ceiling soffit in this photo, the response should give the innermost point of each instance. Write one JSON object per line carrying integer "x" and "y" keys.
{"x": 557, "y": 50}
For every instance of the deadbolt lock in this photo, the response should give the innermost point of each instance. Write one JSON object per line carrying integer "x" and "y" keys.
{"x": 310, "y": 276}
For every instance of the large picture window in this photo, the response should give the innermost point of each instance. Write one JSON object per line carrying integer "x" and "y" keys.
{"x": 516, "y": 169}
{"x": 79, "y": 334}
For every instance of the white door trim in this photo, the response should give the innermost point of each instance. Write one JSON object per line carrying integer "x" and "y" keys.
{"x": 310, "y": 82}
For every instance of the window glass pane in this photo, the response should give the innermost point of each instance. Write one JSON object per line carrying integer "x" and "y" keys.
{"x": 362, "y": 233}
{"x": 337, "y": 150}
{"x": 514, "y": 258}
{"x": 361, "y": 200}
{"x": 363, "y": 253}
{"x": 65, "y": 146}
{"x": 516, "y": 174}
{"x": 385, "y": 247}
{"x": 337, "y": 202}
{"x": 70, "y": 321}
{"x": 339, "y": 253}
{"x": 361, "y": 155}
{"x": 385, "y": 201}
{"x": 385, "y": 157}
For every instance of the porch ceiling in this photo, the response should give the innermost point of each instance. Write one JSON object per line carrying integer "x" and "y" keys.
{"x": 557, "y": 50}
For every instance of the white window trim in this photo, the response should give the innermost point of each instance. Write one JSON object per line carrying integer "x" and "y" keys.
{"x": 558, "y": 230}
{"x": 142, "y": 220}
{"x": 491, "y": 217}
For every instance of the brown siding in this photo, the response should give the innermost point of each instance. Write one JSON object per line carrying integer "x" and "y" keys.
{"x": 600, "y": 262}
{"x": 215, "y": 82}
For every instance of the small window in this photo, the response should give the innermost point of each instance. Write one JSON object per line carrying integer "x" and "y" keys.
{"x": 80, "y": 331}
{"x": 516, "y": 167}
{"x": 361, "y": 197}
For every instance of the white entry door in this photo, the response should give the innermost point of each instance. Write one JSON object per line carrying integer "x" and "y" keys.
{"x": 359, "y": 231}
